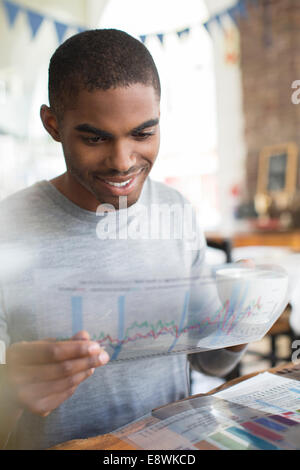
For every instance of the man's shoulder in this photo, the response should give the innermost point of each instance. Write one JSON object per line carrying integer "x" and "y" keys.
{"x": 21, "y": 209}
{"x": 22, "y": 198}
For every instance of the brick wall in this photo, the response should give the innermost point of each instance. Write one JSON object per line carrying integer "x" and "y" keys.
{"x": 270, "y": 62}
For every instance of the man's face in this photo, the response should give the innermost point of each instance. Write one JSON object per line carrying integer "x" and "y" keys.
{"x": 110, "y": 142}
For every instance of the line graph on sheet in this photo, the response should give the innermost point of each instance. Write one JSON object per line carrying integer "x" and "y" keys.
{"x": 141, "y": 318}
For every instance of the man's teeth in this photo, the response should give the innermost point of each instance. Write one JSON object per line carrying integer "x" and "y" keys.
{"x": 118, "y": 185}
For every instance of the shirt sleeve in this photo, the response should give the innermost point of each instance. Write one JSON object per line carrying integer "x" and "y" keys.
{"x": 218, "y": 363}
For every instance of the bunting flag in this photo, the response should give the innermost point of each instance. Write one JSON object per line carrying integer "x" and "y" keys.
{"x": 11, "y": 10}
{"x": 219, "y": 21}
{"x": 160, "y": 36}
{"x": 242, "y": 10}
{"x": 182, "y": 33}
{"x": 60, "y": 29}
{"x": 35, "y": 20}
{"x": 236, "y": 12}
{"x": 233, "y": 15}
{"x": 207, "y": 26}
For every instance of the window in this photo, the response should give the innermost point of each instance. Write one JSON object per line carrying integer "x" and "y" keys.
{"x": 188, "y": 158}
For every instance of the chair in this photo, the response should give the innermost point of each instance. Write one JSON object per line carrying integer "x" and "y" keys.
{"x": 223, "y": 244}
{"x": 283, "y": 256}
{"x": 280, "y": 328}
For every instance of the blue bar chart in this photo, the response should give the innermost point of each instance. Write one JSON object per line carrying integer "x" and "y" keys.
{"x": 77, "y": 314}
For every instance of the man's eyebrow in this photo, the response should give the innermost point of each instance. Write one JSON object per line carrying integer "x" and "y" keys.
{"x": 99, "y": 132}
{"x": 145, "y": 125}
{"x": 93, "y": 130}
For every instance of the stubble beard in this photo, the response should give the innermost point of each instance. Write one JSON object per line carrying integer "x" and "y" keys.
{"x": 87, "y": 183}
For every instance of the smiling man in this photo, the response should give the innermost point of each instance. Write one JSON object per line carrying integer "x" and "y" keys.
{"x": 110, "y": 143}
{"x": 104, "y": 109}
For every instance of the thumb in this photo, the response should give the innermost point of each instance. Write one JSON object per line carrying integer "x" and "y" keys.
{"x": 84, "y": 335}
{"x": 249, "y": 263}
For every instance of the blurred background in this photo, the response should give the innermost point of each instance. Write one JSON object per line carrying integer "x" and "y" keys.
{"x": 230, "y": 73}
{"x": 199, "y": 65}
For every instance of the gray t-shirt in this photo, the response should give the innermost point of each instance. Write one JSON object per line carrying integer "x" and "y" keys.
{"x": 42, "y": 233}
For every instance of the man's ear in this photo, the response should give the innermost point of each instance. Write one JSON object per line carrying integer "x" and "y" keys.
{"x": 50, "y": 123}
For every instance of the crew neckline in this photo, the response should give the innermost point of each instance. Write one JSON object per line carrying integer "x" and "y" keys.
{"x": 83, "y": 214}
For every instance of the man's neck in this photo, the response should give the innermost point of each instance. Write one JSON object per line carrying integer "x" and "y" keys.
{"x": 75, "y": 192}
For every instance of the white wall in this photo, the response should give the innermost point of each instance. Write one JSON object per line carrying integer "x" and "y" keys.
{"x": 27, "y": 153}
{"x": 231, "y": 147}
{"x": 23, "y": 59}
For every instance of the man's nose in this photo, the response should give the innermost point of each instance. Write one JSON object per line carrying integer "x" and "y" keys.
{"x": 122, "y": 156}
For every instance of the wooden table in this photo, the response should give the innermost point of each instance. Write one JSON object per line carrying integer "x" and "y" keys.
{"x": 289, "y": 239}
{"x": 111, "y": 442}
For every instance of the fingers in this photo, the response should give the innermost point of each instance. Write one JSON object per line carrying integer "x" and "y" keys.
{"x": 46, "y": 372}
{"x": 43, "y": 397}
{"x": 47, "y": 352}
{"x": 247, "y": 262}
{"x": 83, "y": 335}
{"x": 29, "y": 393}
{"x": 43, "y": 406}
{"x": 43, "y": 374}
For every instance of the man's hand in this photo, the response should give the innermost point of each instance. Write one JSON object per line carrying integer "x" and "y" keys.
{"x": 237, "y": 348}
{"x": 43, "y": 374}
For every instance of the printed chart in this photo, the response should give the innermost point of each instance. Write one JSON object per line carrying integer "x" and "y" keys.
{"x": 145, "y": 317}
{"x": 235, "y": 419}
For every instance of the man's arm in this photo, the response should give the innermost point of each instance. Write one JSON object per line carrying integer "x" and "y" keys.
{"x": 237, "y": 348}
{"x": 219, "y": 362}
{"x": 40, "y": 375}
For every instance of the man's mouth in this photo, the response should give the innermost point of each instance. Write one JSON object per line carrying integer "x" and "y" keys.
{"x": 120, "y": 186}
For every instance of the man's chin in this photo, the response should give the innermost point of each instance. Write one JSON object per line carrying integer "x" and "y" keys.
{"x": 118, "y": 202}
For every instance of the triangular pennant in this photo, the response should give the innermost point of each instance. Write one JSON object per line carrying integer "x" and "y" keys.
{"x": 160, "y": 37}
{"x": 12, "y": 11}
{"x": 61, "y": 29}
{"x": 183, "y": 32}
{"x": 219, "y": 21}
{"x": 35, "y": 20}
{"x": 242, "y": 9}
{"x": 233, "y": 12}
{"x": 207, "y": 25}
{"x": 143, "y": 38}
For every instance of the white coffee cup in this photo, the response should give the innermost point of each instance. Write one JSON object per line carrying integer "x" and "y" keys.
{"x": 257, "y": 292}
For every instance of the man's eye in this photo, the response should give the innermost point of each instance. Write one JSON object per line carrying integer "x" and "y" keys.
{"x": 93, "y": 140}
{"x": 142, "y": 135}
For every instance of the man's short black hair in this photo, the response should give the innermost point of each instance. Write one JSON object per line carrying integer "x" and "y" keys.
{"x": 98, "y": 59}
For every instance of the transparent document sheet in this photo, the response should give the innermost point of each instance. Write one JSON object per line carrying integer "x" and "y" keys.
{"x": 209, "y": 422}
{"x": 266, "y": 392}
{"x": 135, "y": 318}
